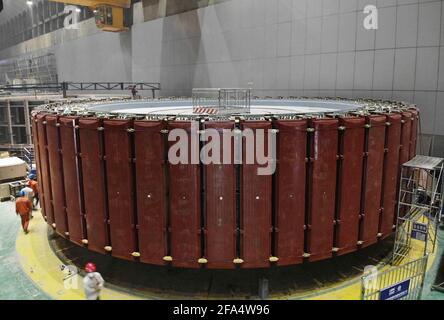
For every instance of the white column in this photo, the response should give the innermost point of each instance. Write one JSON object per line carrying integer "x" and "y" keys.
{"x": 27, "y": 122}
{"x": 8, "y": 115}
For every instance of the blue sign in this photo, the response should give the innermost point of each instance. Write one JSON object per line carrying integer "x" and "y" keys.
{"x": 419, "y": 231}
{"x": 396, "y": 292}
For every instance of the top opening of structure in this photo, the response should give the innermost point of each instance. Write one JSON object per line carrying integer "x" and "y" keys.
{"x": 219, "y": 101}
{"x": 224, "y": 106}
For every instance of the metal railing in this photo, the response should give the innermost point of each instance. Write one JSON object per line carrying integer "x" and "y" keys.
{"x": 24, "y": 152}
{"x": 405, "y": 282}
{"x": 64, "y": 87}
{"x": 28, "y": 155}
{"x": 221, "y": 101}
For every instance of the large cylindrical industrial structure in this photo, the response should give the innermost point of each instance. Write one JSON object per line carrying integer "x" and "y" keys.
{"x": 107, "y": 184}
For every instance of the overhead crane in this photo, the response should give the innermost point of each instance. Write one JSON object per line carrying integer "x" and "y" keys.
{"x": 110, "y": 15}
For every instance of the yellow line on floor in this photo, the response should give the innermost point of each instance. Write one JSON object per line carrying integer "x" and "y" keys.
{"x": 43, "y": 267}
{"x": 353, "y": 290}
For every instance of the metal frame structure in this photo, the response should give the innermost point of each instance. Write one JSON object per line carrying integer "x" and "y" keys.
{"x": 29, "y": 69}
{"x": 34, "y": 21}
{"x": 24, "y": 152}
{"x": 235, "y": 193}
{"x": 85, "y": 86}
{"x": 373, "y": 284}
{"x": 15, "y": 120}
{"x": 420, "y": 204}
{"x": 221, "y": 101}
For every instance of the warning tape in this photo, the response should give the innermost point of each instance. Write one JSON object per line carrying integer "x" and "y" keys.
{"x": 205, "y": 110}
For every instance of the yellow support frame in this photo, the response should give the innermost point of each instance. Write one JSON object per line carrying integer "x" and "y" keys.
{"x": 95, "y": 3}
{"x": 117, "y": 25}
{"x": 117, "y": 11}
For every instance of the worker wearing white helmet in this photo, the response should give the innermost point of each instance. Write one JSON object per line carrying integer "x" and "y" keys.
{"x": 93, "y": 282}
{"x": 29, "y": 193}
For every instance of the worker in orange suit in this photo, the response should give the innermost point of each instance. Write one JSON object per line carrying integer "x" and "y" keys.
{"x": 23, "y": 207}
{"x": 32, "y": 183}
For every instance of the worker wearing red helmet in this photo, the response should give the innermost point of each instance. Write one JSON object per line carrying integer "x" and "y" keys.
{"x": 93, "y": 282}
{"x": 23, "y": 208}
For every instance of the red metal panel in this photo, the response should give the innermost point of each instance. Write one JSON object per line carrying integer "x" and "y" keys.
{"x": 406, "y": 136}
{"x": 220, "y": 204}
{"x": 256, "y": 206}
{"x": 323, "y": 189}
{"x": 35, "y": 136}
{"x": 185, "y": 207}
{"x": 414, "y": 136}
{"x": 151, "y": 191}
{"x": 45, "y": 181}
{"x": 373, "y": 180}
{"x": 349, "y": 206}
{"x": 290, "y": 191}
{"x": 93, "y": 184}
{"x": 71, "y": 178}
{"x": 391, "y": 169}
{"x": 56, "y": 173}
{"x": 119, "y": 160}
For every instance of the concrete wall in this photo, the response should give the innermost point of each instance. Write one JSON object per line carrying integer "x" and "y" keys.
{"x": 303, "y": 47}
{"x": 99, "y": 57}
{"x": 153, "y": 9}
{"x": 280, "y": 48}
{"x": 48, "y": 42}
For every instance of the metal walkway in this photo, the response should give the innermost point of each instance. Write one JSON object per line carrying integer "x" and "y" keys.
{"x": 64, "y": 87}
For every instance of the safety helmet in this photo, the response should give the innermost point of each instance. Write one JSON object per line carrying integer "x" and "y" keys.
{"x": 90, "y": 267}
{"x": 32, "y": 176}
{"x": 22, "y": 193}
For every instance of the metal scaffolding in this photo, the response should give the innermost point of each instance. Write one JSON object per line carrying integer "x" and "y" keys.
{"x": 419, "y": 207}
{"x": 29, "y": 70}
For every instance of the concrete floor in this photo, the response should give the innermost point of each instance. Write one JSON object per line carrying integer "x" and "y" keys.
{"x": 436, "y": 274}
{"x": 15, "y": 284}
{"x": 21, "y": 285}
{"x": 299, "y": 282}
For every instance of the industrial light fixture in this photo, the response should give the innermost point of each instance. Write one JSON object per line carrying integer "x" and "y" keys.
{"x": 78, "y": 10}
{"x": 29, "y": 3}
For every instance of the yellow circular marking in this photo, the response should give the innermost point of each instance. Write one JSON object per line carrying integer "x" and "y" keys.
{"x": 43, "y": 267}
